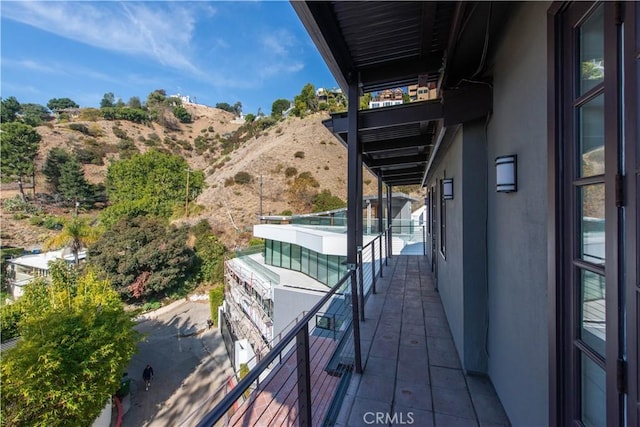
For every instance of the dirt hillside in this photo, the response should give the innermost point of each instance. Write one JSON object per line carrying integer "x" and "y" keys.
{"x": 304, "y": 144}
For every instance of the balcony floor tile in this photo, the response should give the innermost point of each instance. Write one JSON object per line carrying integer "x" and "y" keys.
{"x": 411, "y": 367}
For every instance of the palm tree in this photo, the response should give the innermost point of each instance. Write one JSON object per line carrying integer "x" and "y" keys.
{"x": 76, "y": 234}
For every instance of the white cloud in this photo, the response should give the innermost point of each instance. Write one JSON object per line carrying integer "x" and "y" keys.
{"x": 58, "y": 68}
{"x": 162, "y": 34}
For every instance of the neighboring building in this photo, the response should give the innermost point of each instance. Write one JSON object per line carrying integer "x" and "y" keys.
{"x": 266, "y": 291}
{"x": 24, "y": 269}
{"x": 184, "y": 98}
{"x": 386, "y": 98}
{"x": 422, "y": 93}
{"x": 302, "y": 258}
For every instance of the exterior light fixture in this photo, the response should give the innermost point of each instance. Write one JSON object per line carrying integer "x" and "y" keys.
{"x": 506, "y": 174}
{"x": 447, "y": 188}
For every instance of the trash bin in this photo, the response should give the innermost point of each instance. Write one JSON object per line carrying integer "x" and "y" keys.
{"x": 125, "y": 386}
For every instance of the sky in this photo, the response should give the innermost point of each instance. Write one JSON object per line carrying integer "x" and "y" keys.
{"x": 213, "y": 51}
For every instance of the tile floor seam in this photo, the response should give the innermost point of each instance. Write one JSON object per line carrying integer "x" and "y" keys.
{"x": 393, "y": 267}
{"x": 426, "y": 338}
{"x": 395, "y": 380}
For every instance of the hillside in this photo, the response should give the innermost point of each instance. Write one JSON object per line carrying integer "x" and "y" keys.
{"x": 304, "y": 144}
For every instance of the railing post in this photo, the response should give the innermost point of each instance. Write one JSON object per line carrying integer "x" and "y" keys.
{"x": 304, "y": 377}
{"x": 424, "y": 239}
{"x": 361, "y": 283}
{"x": 355, "y": 323}
{"x": 373, "y": 266}
{"x": 381, "y": 275}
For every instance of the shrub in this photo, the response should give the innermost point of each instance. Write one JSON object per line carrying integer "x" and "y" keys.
{"x": 36, "y": 220}
{"x": 52, "y": 222}
{"x": 79, "y": 127}
{"x": 299, "y": 155}
{"x": 228, "y": 182}
{"x": 242, "y": 178}
{"x": 216, "y": 297}
{"x": 19, "y": 215}
{"x": 290, "y": 171}
{"x": 16, "y": 204}
{"x": 89, "y": 114}
{"x": 286, "y": 212}
{"x": 119, "y": 132}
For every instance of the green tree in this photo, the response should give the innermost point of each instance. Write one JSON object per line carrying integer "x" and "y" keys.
{"x": 182, "y": 114}
{"x": 76, "y": 234}
{"x": 134, "y": 102}
{"x": 72, "y": 184}
{"x": 34, "y": 114}
{"x": 237, "y": 108}
{"x": 210, "y": 253}
{"x": 19, "y": 146}
{"x": 144, "y": 258}
{"x": 56, "y": 157}
{"x": 224, "y": 106}
{"x": 108, "y": 100}
{"x": 364, "y": 101}
{"x": 306, "y": 101}
{"x": 57, "y": 104}
{"x": 278, "y": 107}
{"x": 250, "y": 118}
{"x": 149, "y": 184}
{"x": 325, "y": 201}
{"x": 76, "y": 341}
{"x": 9, "y": 108}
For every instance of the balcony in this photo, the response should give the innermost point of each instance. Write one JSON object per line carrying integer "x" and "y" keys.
{"x": 396, "y": 365}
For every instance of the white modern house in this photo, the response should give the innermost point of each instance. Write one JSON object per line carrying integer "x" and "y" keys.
{"x": 25, "y": 268}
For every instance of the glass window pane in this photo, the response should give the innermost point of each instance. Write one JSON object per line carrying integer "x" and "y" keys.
{"x": 592, "y": 51}
{"x": 593, "y": 394}
{"x": 592, "y": 222}
{"x": 334, "y": 269}
{"x": 322, "y": 268}
{"x": 593, "y": 315}
{"x": 268, "y": 249}
{"x": 295, "y": 257}
{"x": 591, "y": 116}
{"x": 277, "y": 255}
{"x": 286, "y": 255}
{"x": 304, "y": 254}
{"x": 313, "y": 264}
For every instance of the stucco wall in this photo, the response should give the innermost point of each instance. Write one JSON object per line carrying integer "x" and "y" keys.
{"x": 517, "y": 266}
{"x": 450, "y": 267}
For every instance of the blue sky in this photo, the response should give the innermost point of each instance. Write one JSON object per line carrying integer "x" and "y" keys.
{"x": 249, "y": 51}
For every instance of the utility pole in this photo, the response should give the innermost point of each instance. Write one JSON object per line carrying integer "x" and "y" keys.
{"x": 186, "y": 204}
{"x": 260, "y": 197}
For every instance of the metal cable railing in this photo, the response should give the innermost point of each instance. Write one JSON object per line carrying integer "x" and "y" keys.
{"x": 302, "y": 379}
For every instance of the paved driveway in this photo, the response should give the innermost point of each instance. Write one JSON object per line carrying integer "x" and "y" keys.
{"x": 190, "y": 363}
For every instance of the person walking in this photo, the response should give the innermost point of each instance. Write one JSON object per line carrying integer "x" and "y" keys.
{"x": 147, "y": 374}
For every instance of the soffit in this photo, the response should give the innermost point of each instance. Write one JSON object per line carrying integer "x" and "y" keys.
{"x": 386, "y": 45}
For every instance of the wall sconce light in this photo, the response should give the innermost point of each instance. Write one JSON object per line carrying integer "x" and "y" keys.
{"x": 447, "y": 188}
{"x": 506, "y": 174}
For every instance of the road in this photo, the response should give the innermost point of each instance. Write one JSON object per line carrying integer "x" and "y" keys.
{"x": 190, "y": 364}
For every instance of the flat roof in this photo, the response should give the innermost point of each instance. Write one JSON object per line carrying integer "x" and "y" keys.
{"x": 41, "y": 261}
